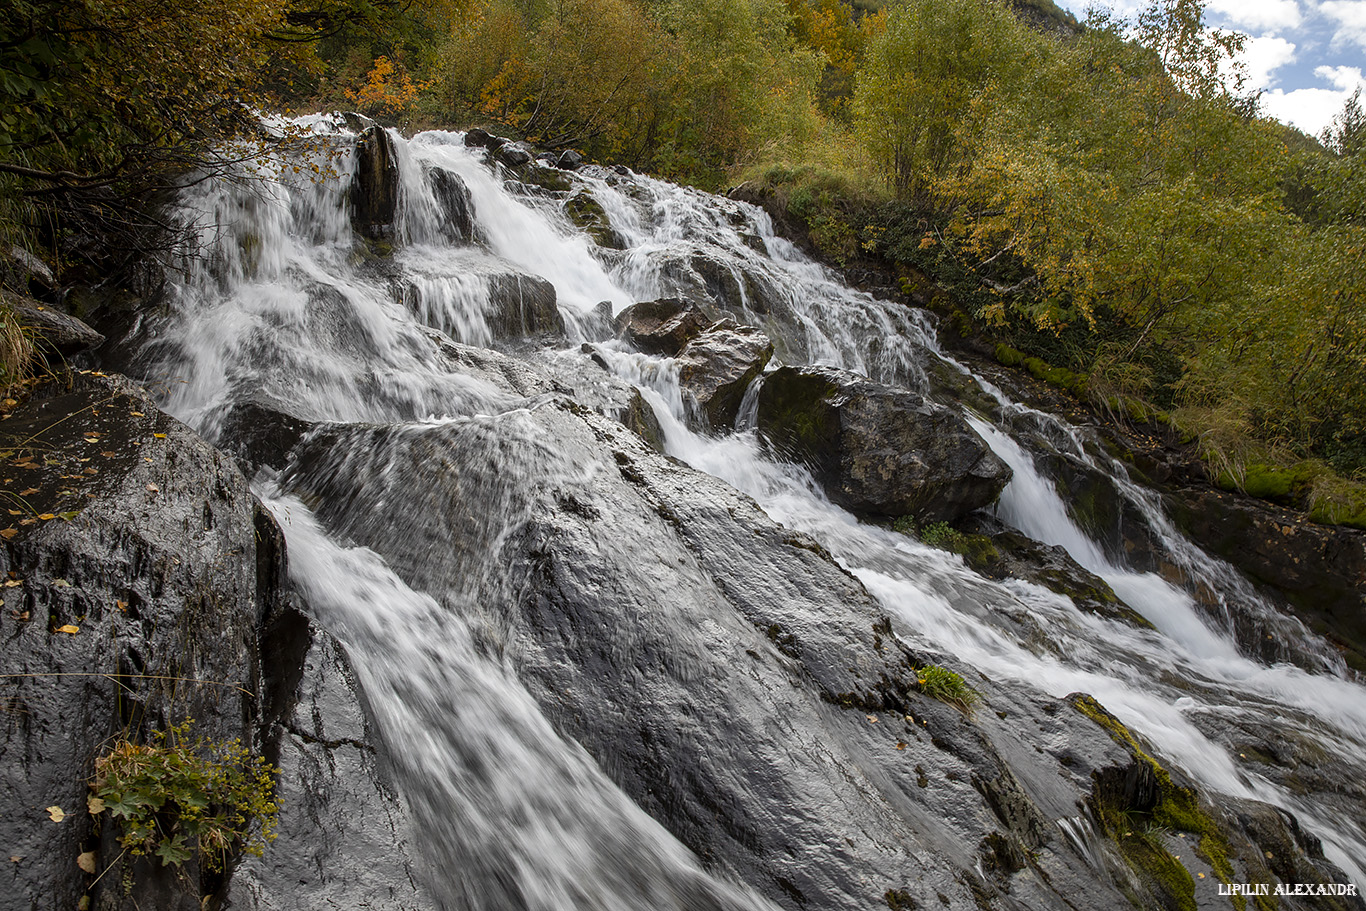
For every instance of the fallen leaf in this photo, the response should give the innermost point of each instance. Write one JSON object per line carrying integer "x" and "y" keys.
{"x": 47, "y": 516}
{"x": 121, "y": 605}
{"x": 8, "y": 533}
{"x": 159, "y": 436}
{"x": 28, "y": 493}
{"x": 901, "y": 745}
{"x": 137, "y": 414}
{"x": 16, "y": 512}
{"x": 68, "y": 515}
{"x": 86, "y": 861}
{"x": 21, "y": 616}
{"x": 13, "y": 583}
{"x": 15, "y": 858}
{"x": 95, "y": 805}
{"x": 57, "y": 813}
{"x": 29, "y": 521}
{"x": 60, "y": 583}
{"x": 83, "y": 904}
{"x": 93, "y": 434}
{"x": 10, "y": 403}
{"x": 872, "y": 719}
{"x": 91, "y": 471}
{"x": 153, "y": 488}
{"x": 70, "y": 629}
{"x": 109, "y": 454}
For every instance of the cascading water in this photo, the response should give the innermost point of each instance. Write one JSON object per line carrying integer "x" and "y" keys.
{"x": 440, "y": 478}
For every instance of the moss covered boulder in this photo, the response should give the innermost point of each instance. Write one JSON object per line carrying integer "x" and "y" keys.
{"x": 877, "y": 450}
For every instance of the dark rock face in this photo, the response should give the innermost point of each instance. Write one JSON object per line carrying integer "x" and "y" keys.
{"x": 521, "y": 306}
{"x": 343, "y": 837}
{"x": 878, "y": 450}
{"x": 482, "y": 139}
{"x": 457, "y": 208}
{"x": 662, "y": 326}
{"x": 569, "y": 160}
{"x": 1321, "y": 570}
{"x": 1002, "y": 553}
{"x": 164, "y": 566}
{"x": 374, "y": 185}
{"x": 716, "y": 368}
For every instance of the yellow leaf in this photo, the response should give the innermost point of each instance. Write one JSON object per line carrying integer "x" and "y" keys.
{"x": 8, "y": 533}
{"x": 95, "y": 805}
{"x": 47, "y": 516}
{"x": 86, "y": 861}
{"x": 70, "y": 629}
{"x": 57, "y": 813}
{"x": 159, "y": 436}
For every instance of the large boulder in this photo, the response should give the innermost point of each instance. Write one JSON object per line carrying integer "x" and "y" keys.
{"x": 139, "y": 571}
{"x": 662, "y": 326}
{"x": 374, "y": 185}
{"x": 521, "y": 306}
{"x": 454, "y": 205}
{"x": 1319, "y": 569}
{"x": 716, "y": 368}
{"x": 877, "y": 450}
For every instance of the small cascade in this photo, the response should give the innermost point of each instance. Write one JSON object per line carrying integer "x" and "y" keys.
{"x": 610, "y": 678}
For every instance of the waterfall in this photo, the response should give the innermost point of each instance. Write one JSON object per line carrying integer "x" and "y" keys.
{"x": 444, "y": 464}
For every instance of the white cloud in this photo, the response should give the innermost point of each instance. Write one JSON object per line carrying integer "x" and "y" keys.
{"x": 1351, "y": 19}
{"x": 1312, "y": 109}
{"x": 1262, "y": 57}
{"x": 1261, "y": 15}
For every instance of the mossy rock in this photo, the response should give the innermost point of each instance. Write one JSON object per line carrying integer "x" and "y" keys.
{"x": 588, "y": 215}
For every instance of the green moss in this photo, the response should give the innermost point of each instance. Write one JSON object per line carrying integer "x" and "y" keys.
{"x": 1177, "y": 810}
{"x": 1009, "y": 356}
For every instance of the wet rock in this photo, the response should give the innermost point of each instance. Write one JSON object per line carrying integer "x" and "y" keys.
{"x": 716, "y": 368}
{"x": 662, "y": 326}
{"x": 569, "y": 160}
{"x": 523, "y": 306}
{"x": 374, "y": 185}
{"x": 134, "y": 606}
{"x": 455, "y": 205}
{"x": 588, "y": 215}
{"x": 877, "y": 450}
{"x": 1001, "y": 553}
{"x": 512, "y": 154}
{"x": 260, "y": 433}
{"x": 763, "y": 711}
{"x": 483, "y": 139}
{"x": 344, "y": 838}
{"x": 57, "y": 336}
{"x": 1320, "y": 570}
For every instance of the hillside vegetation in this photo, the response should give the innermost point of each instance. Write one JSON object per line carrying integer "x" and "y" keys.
{"x": 1099, "y": 196}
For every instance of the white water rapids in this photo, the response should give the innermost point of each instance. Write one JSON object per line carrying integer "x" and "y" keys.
{"x": 281, "y": 309}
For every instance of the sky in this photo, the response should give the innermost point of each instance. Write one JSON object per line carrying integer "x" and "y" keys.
{"x": 1305, "y": 56}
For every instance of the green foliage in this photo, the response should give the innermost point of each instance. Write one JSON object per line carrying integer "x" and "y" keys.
{"x": 16, "y": 351}
{"x": 174, "y": 798}
{"x": 946, "y": 686}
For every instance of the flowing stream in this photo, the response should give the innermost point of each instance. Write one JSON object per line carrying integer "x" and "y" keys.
{"x": 286, "y": 310}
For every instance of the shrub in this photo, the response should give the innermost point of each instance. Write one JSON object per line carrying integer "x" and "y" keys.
{"x": 175, "y": 798}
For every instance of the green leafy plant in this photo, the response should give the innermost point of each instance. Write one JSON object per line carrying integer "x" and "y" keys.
{"x": 947, "y": 686}
{"x": 942, "y": 535}
{"x": 176, "y": 797}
